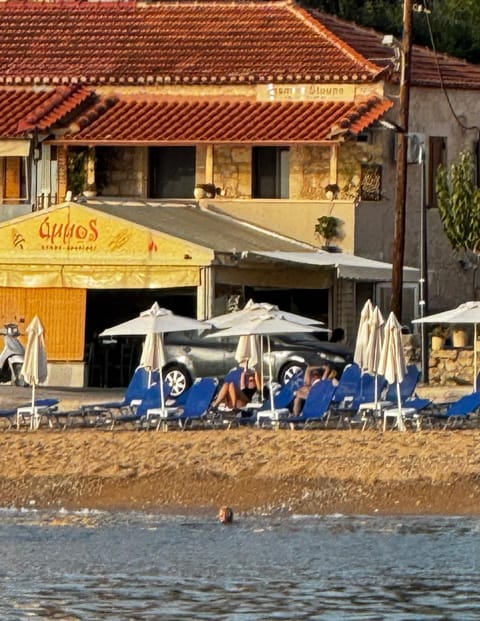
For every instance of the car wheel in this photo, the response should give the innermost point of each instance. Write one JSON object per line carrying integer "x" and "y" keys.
{"x": 179, "y": 379}
{"x": 289, "y": 370}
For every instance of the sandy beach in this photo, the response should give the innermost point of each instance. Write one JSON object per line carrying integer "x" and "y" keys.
{"x": 253, "y": 470}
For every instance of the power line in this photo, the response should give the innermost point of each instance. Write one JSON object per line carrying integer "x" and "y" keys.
{"x": 442, "y": 82}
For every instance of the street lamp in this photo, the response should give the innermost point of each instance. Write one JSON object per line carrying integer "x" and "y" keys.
{"x": 423, "y": 302}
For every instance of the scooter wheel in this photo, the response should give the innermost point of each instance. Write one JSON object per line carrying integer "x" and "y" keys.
{"x": 19, "y": 381}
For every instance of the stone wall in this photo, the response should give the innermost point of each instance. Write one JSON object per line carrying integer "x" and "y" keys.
{"x": 411, "y": 348}
{"x": 451, "y": 367}
{"x": 127, "y": 175}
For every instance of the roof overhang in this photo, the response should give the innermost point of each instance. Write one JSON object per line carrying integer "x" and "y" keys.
{"x": 346, "y": 265}
{"x": 148, "y": 120}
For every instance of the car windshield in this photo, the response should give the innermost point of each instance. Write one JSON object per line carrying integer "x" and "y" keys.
{"x": 298, "y": 336}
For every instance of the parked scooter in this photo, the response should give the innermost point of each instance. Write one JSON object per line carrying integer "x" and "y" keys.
{"x": 12, "y": 356}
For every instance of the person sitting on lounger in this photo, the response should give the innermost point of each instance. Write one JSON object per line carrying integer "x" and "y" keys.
{"x": 233, "y": 396}
{"x": 312, "y": 376}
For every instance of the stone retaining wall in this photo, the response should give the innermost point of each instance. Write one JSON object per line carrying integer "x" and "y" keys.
{"x": 451, "y": 366}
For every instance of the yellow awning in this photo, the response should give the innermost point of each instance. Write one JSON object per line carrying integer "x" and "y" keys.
{"x": 98, "y": 276}
{"x": 74, "y": 246}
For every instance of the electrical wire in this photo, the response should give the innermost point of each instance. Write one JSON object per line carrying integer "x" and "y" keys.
{"x": 442, "y": 83}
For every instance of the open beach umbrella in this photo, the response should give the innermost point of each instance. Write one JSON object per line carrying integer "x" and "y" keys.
{"x": 258, "y": 309}
{"x": 34, "y": 368}
{"x": 466, "y": 313}
{"x": 392, "y": 360}
{"x": 253, "y": 310}
{"x": 153, "y": 323}
{"x": 267, "y": 324}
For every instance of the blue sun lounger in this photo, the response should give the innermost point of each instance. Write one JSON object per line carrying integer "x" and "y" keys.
{"x": 199, "y": 400}
{"x": 316, "y": 409}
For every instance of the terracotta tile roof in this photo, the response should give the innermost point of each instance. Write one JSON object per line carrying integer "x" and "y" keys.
{"x": 22, "y": 110}
{"x": 456, "y": 73}
{"x": 148, "y": 120}
{"x": 207, "y": 41}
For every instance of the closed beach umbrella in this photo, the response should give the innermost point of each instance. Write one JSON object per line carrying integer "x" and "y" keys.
{"x": 154, "y": 323}
{"x": 34, "y": 368}
{"x": 153, "y": 354}
{"x": 248, "y": 350}
{"x": 374, "y": 345}
{"x": 361, "y": 344}
{"x": 392, "y": 360}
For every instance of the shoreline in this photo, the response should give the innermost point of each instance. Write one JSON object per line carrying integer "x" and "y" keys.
{"x": 252, "y": 470}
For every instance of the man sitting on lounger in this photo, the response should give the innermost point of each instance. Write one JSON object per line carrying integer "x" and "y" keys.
{"x": 312, "y": 376}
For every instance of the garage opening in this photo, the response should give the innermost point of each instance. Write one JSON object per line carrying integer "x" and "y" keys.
{"x": 112, "y": 362}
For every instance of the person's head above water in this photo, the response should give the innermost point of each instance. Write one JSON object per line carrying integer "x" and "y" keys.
{"x": 225, "y": 515}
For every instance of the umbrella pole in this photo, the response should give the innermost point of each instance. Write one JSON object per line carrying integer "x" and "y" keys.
{"x": 400, "y": 423}
{"x": 475, "y": 358}
{"x": 162, "y": 394}
{"x": 262, "y": 376}
{"x": 32, "y": 417}
{"x": 270, "y": 377}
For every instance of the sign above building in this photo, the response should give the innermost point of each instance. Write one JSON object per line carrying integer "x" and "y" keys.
{"x": 317, "y": 92}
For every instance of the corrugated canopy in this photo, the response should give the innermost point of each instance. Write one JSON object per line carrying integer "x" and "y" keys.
{"x": 346, "y": 265}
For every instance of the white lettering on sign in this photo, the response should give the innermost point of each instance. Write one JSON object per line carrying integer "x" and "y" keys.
{"x": 317, "y": 92}
{"x": 305, "y": 92}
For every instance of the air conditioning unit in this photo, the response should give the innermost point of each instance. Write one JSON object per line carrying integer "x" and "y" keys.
{"x": 414, "y": 144}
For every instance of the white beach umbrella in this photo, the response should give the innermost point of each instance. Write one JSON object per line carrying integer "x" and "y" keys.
{"x": 253, "y": 310}
{"x": 363, "y": 334}
{"x": 267, "y": 324}
{"x": 466, "y": 313}
{"x": 154, "y": 323}
{"x": 258, "y": 309}
{"x": 34, "y": 368}
{"x": 374, "y": 345}
{"x": 248, "y": 350}
{"x": 153, "y": 354}
{"x": 392, "y": 360}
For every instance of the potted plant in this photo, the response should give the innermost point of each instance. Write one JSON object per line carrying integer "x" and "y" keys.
{"x": 90, "y": 190}
{"x": 459, "y": 336}
{"x": 328, "y": 228}
{"x": 205, "y": 190}
{"x": 439, "y": 336}
{"x": 332, "y": 191}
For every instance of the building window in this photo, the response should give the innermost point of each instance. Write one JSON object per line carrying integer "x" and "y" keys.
{"x": 171, "y": 172}
{"x": 270, "y": 172}
{"x": 14, "y": 180}
{"x": 437, "y": 154}
{"x": 371, "y": 182}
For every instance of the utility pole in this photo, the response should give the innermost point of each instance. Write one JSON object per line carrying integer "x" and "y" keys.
{"x": 401, "y": 173}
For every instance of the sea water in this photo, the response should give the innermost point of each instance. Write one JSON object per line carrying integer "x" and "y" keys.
{"x": 134, "y": 566}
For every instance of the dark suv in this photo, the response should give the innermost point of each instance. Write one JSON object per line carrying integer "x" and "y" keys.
{"x": 191, "y": 355}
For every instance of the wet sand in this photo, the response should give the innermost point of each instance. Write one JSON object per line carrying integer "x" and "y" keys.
{"x": 252, "y": 470}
